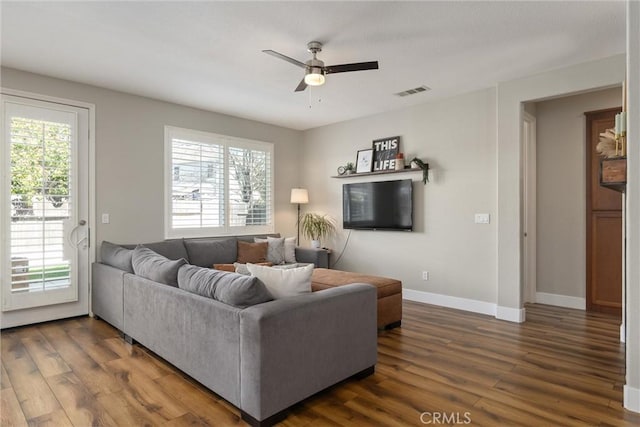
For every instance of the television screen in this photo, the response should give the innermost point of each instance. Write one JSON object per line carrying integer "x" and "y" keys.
{"x": 384, "y": 205}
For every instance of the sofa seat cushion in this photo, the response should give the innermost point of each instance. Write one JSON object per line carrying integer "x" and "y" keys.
{"x": 230, "y": 288}
{"x": 324, "y": 278}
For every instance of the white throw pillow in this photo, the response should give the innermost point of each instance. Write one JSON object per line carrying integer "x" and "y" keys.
{"x": 284, "y": 283}
{"x": 290, "y": 250}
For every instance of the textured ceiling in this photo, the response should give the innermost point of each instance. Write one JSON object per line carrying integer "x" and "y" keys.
{"x": 208, "y": 54}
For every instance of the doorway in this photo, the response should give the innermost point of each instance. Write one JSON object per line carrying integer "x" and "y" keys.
{"x": 604, "y": 225}
{"x": 529, "y": 169}
{"x": 45, "y": 210}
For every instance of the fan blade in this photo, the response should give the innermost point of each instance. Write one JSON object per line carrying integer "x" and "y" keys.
{"x": 285, "y": 57}
{"x": 358, "y": 66}
{"x": 302, "y": 86}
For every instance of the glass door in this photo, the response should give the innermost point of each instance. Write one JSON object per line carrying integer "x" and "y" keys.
{"x": 44, "y": 207}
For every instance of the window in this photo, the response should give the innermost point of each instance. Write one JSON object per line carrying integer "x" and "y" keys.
{"x": 216, "y": 184}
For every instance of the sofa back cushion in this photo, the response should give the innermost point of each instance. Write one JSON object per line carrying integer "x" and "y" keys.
{"x": 207, "y": 252}
{"x": 172, "y": 249}
{"x": 153, "y": 266}
{"x": 230, "y": 288}
{"x": 116, "y": 256}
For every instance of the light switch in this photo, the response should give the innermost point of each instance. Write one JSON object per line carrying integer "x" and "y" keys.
{"x": 105, "y": 218}
{"x": 482, "y": 218}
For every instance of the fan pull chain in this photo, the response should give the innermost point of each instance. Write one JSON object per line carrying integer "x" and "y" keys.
{"x": 309, "y": 98}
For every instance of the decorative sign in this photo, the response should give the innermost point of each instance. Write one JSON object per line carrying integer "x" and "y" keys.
{"x": 385, "y": 151}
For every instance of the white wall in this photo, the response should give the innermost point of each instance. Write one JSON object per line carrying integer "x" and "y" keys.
{"x": 130, "y": 150}
{"x": 561, "y": 184}
{"x": 603, "y": 73}
{"x": 457, "y": 138}
{"x": 632, "y": 387}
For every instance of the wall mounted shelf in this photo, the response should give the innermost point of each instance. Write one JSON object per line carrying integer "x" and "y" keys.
{"x": 355, "y": 175}
{"x": 613, "y": 173}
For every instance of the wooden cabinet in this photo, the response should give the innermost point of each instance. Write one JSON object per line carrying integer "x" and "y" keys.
{"x": 604, "y": 220}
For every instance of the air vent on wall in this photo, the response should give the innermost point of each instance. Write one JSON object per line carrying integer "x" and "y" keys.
{"x": 413, "y": 91}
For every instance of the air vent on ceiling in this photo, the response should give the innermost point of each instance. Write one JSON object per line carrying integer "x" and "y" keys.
{"x": 413, "y": 91}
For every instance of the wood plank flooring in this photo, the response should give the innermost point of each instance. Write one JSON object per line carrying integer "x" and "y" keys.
{"x": 561, "y": 368}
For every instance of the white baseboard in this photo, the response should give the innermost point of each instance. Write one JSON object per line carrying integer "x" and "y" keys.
{"x": 465, "y": 304}
{"x": 517, "y": 315}
{"x": 631, "y": 398}
{"x": 561, "y": 300}
{"x": 503, "y": 313}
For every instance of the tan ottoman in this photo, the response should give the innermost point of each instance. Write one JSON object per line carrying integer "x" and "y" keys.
{"x": 389, "y": 292}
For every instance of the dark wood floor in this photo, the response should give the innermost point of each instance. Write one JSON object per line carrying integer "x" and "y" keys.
{"x": 561, "y": 367}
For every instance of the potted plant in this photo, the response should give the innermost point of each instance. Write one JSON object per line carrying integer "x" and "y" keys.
{"x": 316, "y": 227}
{"x": 350, "y": 168}
{"x": 422, "y": 165}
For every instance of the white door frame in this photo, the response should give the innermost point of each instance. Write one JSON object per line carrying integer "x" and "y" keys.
{"x": 18, "y": 317}
{"x": 529, "y": 232}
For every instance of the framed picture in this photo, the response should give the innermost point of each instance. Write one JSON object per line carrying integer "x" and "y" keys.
{"x": 363, "y": 162}
{"x": 385, "y": 151}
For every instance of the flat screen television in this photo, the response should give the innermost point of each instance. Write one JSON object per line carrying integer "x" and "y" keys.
{"x": 384, "y": 205}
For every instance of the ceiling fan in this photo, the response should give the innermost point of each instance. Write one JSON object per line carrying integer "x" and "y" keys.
{"x": 315, "y": 70}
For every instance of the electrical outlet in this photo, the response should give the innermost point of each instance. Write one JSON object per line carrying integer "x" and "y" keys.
{"x": 425, "y": 275}
{"x": 105, "y": 218}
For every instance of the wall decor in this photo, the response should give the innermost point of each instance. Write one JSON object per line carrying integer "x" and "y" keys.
{"x": 425, "y": 169}
{"x": 350, "y": 168}
{"x": 385, "y": 151}
{"x": 364, "y": 160}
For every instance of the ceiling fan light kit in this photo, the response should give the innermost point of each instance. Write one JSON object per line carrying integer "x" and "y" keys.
{"x": 315, "y": 69}
{"x": 314, "y": 78}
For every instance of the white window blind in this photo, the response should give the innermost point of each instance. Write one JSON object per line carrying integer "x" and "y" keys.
{"x": 216, "y": 184}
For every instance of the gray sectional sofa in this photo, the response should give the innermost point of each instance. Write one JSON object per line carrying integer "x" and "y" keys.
{"x": 263, "y": 358}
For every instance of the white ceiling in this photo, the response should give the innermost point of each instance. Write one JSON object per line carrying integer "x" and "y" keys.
{"x": 208, "y": 54}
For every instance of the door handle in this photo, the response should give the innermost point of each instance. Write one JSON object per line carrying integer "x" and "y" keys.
{"x": 75, "y": 245}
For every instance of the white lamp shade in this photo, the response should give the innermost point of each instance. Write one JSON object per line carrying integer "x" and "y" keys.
{"x": 299, "y": 195}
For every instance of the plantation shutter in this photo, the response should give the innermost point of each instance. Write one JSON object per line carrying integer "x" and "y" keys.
{"x": 40, "y": 169}
{"x": 250, "y": 195}
{"x": 216, "y": 185}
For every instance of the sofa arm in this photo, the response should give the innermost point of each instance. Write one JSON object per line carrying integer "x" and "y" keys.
{"x": 198, "y": 335}
{"x": 308, "y": 343}
{"x": 319, "y": 257}
{"x": 107, "y": 294}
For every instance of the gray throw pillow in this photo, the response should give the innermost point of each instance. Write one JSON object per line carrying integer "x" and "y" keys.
{"x": 153, "y": 266}
{"x": 229, "y": 288}
{"x": 275, "y": 251}
{"x": 116, "y": 256}
{"x": 242, "y": 269}
{"x": 290, "y": 250}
